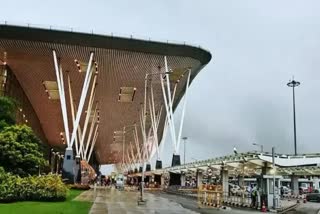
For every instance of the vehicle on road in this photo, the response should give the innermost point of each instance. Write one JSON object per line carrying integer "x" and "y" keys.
{"x": 313, "y": 196}
{"x": 304, "y": 188}
{"x": 286, "y": 190}
{"x": 120, "y": 182}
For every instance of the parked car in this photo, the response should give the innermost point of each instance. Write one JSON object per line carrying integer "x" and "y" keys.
{"x": 304, "y": 188}
{"x": 286, "y": 190}
{"x": 119, "y": 182}
{"x": 313, "y": 196}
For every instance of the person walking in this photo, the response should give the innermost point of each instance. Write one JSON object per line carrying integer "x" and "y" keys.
{"x": 254, "y": 197}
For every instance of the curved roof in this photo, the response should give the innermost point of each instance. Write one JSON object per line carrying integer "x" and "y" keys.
{"x": 123, "y": 62}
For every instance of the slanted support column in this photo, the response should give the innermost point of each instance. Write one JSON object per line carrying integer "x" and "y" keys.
{"x": 183, "y": 179}
{"x": 295, "y": 184}
{"x": 225, "y": 181}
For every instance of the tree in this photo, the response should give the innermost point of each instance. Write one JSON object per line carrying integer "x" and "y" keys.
{"x": 8, "y": 109}
{"x": 20, "y": 150}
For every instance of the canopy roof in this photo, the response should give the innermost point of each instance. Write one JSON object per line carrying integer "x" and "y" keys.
{"x": 251, "y": 164}
{"x": 123, "y": 64}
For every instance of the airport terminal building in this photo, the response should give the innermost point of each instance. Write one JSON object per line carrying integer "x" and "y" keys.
{"x": 100, "y": 99}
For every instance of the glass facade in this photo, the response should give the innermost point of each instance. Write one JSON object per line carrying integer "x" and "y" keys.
{"x": 10, "y": 86}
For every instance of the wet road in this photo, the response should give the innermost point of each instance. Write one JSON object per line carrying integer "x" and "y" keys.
{"x": 191, "y": 204}
{"x": 307, "y": 208}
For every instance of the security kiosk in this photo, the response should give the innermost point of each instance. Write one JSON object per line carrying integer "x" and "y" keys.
{"x": 272, "y": 196}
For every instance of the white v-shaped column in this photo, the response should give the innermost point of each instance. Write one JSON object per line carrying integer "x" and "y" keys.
{"x": 82, "y": 99}
{"x": 168, "y": 101}
{"x": 60, "y": 83}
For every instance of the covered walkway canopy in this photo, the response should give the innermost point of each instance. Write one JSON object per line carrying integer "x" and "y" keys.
{"x": 251, "y": 164}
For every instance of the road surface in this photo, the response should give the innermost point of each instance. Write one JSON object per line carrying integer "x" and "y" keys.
{"x": 191, "y": 204}
{"x": 307, "y": 208}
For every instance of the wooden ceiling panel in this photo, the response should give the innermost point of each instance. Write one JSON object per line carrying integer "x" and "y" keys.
{"x": 32, "y": 63}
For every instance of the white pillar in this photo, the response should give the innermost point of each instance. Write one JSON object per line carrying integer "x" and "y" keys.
{"x": 225, "y": 182}
{"x": 199, "y": 179}
{"x": 316, "y": 182}
{"x": 295, "y": 184}
{"x": 183, "y": 180}
{"x": 162, "y": 181}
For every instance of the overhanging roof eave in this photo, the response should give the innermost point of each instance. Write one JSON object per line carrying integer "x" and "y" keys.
{"x": 102, "y": 41}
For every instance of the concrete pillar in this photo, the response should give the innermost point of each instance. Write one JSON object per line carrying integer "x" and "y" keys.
{"x": 263, "y": 185}
{"x": 148, "y": 167}
{"x": 240, "y": 181}
{"x": 70, "y": 168}
{"x": 183, "y": 180}
{"x": 316, "y": 182}
{"x": 175, "y": 160}
{"x": 162, "y": 181}
{"x": 295, "y": 184}
{"x": 225, "y": 181}
{"x": 159, "y": 164}
{"x": 199, "y": 178}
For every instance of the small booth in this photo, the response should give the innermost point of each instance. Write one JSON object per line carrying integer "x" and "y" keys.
{"x": 268, "y": 181}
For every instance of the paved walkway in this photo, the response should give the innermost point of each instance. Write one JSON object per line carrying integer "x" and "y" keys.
{"x": 113, "y": 201}
{"x": 122, "y": 202}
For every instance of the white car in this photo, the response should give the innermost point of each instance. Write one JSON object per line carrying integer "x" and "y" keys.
{"x": 119, "y": 182}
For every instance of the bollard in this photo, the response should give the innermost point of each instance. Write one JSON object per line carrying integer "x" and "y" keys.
{"x": 263, "y": 207}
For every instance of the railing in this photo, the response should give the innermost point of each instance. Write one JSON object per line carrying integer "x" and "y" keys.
{"x": 97, "y": 32}
{"x": 210, "y": 197}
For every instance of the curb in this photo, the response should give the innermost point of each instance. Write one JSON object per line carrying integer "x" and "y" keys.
{"x": 290, "y": 208}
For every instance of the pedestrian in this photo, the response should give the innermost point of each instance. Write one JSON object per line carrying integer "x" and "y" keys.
{"x": 254, "y": 196}
{"x": 281, "y": 191}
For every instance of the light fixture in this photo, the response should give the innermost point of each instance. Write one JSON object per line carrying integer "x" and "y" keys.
{"x": 51, "y": 89}
{"x": 127, "y": 94}
{"x": 82, "y": 67}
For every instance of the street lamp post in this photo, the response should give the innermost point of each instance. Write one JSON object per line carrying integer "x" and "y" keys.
{"x": 141, "y": 200}
{"x": 294, "y": 84}
{"x": 123, "y": 140}
{"x": 261, "y": 146}
{"x": 184, "y": 149}
{"x": 274, "y": 179}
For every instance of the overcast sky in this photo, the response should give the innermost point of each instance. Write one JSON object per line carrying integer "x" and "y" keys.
{"x": 241, "y": 96}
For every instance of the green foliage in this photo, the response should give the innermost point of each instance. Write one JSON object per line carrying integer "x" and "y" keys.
{"x": 44, "y": 188}
{"x": 8, "y": 109}
{"x": 79, "y": 186}
{"x": 68, "y": 206}
{"x": 20, "y": 151}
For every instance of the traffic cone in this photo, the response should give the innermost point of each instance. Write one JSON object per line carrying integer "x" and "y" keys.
{"x": 263, "y": 207}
